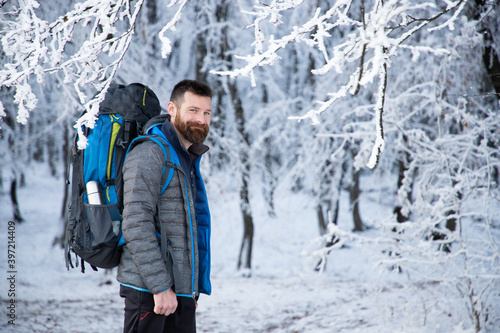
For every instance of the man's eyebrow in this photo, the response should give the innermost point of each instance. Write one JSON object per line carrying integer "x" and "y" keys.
{"x": 198, "y": 108}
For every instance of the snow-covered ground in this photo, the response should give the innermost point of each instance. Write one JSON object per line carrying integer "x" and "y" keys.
{"x": 283, "y": 294}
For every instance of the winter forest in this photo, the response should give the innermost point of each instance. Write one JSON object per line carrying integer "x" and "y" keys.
{"x": 340, "y": 129}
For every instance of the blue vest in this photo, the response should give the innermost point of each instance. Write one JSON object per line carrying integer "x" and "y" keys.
{"x": 203, "y": 219}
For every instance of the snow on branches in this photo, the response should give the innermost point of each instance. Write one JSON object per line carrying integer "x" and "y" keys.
{"x": 377, "y": 35}
{"x": 166, "y": 48}
{"x": 86, "y": 44}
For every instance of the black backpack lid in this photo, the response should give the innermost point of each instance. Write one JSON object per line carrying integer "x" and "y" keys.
{"x": 133, "y": 102}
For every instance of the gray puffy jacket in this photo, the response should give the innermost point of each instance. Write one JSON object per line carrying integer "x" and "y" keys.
{"x": 142, "y": 265}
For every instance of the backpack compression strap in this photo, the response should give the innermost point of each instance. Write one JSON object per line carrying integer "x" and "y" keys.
{"x": 75, "y": 159}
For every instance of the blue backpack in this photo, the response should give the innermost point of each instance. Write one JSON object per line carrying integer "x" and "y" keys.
{"x": 93, "y": 226}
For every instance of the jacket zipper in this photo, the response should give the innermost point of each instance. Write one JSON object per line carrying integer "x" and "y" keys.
{"x": 192, "y": 236}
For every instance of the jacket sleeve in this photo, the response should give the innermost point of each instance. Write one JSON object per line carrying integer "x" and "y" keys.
{"x": 142, "y": 185}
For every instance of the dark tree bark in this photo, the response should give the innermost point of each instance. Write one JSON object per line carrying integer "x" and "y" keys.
{"x": 403, "y": 163}
{"x": 327, "y": 209}
{"x": 270, "y": 160}
{"x": 332, "y": 208}
{"x": 354, "y": 194}
{"x": 487, "y": 27}
{"x": 328, "y": 206}
{"x": 222, "y": 13}
{"x": 151, "y": 12}
{"x": 218, "y": 48}
{"x": 245, "y": 257}
{"x": 15, "y": 203}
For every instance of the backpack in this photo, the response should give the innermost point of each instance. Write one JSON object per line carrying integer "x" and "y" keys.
{"x": 93, "y": 229}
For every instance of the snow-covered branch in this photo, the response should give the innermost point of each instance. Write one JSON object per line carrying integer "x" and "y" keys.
{"x": 375, "y": 39}
{"x": 166, "y": 47}
{"x": 35, "y": 47}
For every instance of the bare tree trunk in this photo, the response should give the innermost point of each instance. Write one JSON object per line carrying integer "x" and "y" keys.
{"x": 151, "y": 11}
{"x": 271, "y": 159}
{"x": 15, "y": 203}
{"x": 354, "y": 194}
{"x": 327, "y": 213}
{"x": 327, "y": 209}
{"x": 488, "y": 29}
{"x": 204, "y": 46}
{"x": 330, "y": 182}
{"x": 245, "y": 257}
{"x": 321, "y": 218}
{"x": 450, "y": 224}
{"x": 403, "y": 163}
{"x": 332, "y": 208}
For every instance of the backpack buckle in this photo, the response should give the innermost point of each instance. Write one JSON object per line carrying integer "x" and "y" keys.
{"x": 121, "y": 143}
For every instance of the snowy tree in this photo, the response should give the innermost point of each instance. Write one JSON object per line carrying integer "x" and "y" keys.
{"x": 39, "y": 140}
{"x": 441, "y": 127}
{"x": 46, "y": 50}
{"x": 240, "y": 137}
{"x": 376, "y": 38}
{"x": 86, "y": 46}
{"x": 406, "y": 88}
{"x": 36, "y": 47}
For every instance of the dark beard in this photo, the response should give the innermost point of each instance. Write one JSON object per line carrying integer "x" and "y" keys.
{"x": 190, "y": 132}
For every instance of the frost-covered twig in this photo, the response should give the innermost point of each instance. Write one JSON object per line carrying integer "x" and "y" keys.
{"x": 378, "y": 147}
{"x": 166, "y": 48}
{"x": 387, "y": 26}
{"x": 270, "y": 55}
{"x": 35, "y": 48}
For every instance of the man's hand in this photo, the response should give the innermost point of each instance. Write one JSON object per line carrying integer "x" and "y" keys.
{"x": 165, "y": 302}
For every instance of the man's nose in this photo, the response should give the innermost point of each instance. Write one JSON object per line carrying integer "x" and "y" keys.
{"x": 200, "y": 118}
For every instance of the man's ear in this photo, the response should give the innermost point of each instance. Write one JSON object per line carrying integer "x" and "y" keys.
{"x": 171, "y": 109}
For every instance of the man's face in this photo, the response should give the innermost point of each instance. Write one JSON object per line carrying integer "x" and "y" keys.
{"x": 192, "y": 117}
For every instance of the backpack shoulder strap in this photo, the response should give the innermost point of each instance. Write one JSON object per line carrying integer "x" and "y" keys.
{"x": 171, "y": 161}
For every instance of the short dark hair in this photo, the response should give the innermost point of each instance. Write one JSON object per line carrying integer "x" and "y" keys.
{"x": 195, "y": 87}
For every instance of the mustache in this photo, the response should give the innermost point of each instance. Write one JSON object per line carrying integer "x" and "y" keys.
{"x": 194, "y": 132}
{"x": 192, "y": 125}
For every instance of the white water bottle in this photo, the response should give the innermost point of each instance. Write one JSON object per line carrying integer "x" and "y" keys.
{"x": 93, "y": 193}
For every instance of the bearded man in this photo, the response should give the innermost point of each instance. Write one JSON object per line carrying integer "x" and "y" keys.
{"x": 161, "y": 279}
